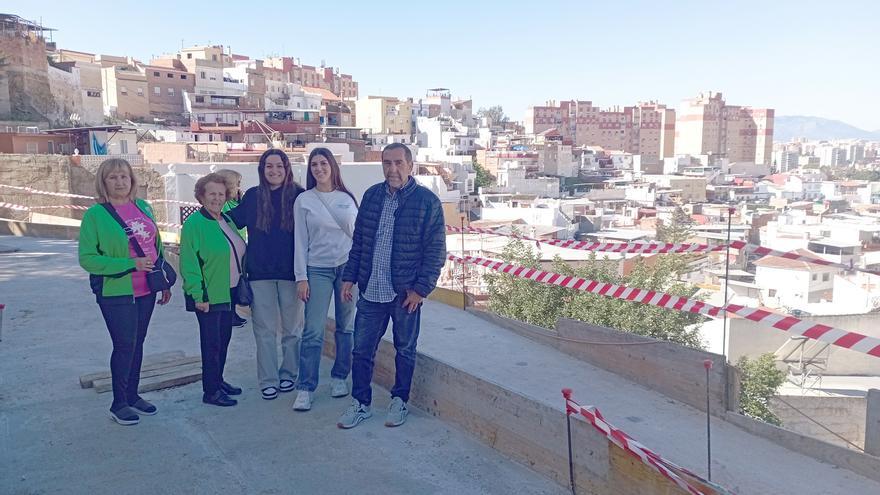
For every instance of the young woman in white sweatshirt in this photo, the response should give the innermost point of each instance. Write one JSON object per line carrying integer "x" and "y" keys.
{"x": 324, "y": 223}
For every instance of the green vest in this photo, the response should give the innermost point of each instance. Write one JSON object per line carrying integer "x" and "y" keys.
{"x": 204, "y": 260}
{"x": 104, "y": 250}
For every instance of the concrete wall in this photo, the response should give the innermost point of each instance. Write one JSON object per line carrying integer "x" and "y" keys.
{"x": 671, "y": 369}
{"x": 843, "y": 415}
{"x": 748, "y": 338}
{"x": 55, "y": 173}
{"x": 524, "y": 429}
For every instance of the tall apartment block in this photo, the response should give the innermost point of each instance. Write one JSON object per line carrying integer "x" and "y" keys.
{"x": 707, "y": 125}
{"x": 646, "y": 129}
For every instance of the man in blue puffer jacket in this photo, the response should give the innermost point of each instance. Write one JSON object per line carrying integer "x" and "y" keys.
{"x": 398, "y": 250}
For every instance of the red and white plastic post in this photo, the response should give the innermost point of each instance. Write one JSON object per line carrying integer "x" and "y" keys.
{"x": 569, "y": 410}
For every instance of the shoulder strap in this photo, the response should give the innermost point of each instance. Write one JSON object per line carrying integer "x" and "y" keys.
{"x": 128, "y": 232}
{"x": 232, "y": 244}
{"x": 339, "y": 222}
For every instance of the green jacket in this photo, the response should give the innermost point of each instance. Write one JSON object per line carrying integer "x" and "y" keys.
{"x": 104, "y": 252}
{"x": 204, "y": 261}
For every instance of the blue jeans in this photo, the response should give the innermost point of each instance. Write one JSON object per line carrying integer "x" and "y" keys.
{"x": 369, "y": 326}
{"x": 325, "y": 283}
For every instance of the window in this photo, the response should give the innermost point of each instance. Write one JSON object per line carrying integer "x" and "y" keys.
{"x": 50, "y": 147}
{"x": 183, "y": 76}
{"x": 32, "y": 148}
{"x": 200, "y": 99}
{"x": 214, "y": 58}
{"x": 815, "y": 277}
{"x": 140, "y": 91}
{"x": 170, "y": 76}
{"x": 123, "y": 147}
{"x": 156, "y": 73}
{"x": 826, "y": 277}
{"x": 157, "y": 90}
{"x": 189, "y": 55}
{"x": 93, "y": 94}
{"x": 202, "y": 74}
{"x": 170, "y": 91}
{"x": 772, "y": 293}
{"x": 123, "y": 90}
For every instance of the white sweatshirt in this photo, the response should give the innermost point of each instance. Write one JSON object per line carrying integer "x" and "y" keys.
{"x": 318, "y": 240}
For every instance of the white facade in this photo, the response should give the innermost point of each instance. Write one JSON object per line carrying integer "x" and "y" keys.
{"x": 794, "y": 288}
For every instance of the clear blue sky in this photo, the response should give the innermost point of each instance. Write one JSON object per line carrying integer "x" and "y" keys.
{"x": 801, "y": 58}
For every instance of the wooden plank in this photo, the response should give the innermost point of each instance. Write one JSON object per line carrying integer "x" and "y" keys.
{"x": 182, "y": 377}
{"x": 150, "y": 362}
{"x": 105, "y": 385}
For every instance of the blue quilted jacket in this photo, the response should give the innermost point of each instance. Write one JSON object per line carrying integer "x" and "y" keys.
{"x": 418, "y": 251}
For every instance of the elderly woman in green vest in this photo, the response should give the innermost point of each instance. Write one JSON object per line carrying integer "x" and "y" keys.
{"x": 211, "y": 251}
{"x": 118, "y": 276}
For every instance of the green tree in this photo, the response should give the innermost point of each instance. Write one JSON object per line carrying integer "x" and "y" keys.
{"x": 494, "y": 113}
{"x": 759, "y": 380}
{"x": 484, "y": 178}
{"x": 542, "y": 304}
{"x": 679, "y": 229}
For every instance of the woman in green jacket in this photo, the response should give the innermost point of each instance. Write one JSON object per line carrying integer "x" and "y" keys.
{"x": 118, "y": 279}
{"x": 211, "y": 251}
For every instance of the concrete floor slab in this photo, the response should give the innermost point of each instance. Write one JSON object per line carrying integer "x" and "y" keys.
{"x": 56, "y": 437}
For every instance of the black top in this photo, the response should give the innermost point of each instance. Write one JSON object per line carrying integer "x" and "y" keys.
{"x": 269, "y": 255}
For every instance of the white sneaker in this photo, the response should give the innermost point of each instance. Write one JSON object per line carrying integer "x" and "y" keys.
{"x": 396, "y": 412}
{"x": 303, "y": 401}
{"x": 352, "y": 416}
{"x": 338, "y": 387}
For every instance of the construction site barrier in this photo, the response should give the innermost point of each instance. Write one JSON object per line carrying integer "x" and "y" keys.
{"x": 664, "y": 248}
{"x": 816, "y": 331}
{"x": 668, "y": 469}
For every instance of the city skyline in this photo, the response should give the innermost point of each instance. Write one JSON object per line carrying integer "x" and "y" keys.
{"x": 611, "y": 55}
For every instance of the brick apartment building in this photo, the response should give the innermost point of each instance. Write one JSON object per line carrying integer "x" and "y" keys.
{"x": 646, "y": 129}
{"x": 707, "y": 125}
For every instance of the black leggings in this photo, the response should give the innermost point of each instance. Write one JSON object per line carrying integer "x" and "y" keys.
{"x": 127, "y": 323}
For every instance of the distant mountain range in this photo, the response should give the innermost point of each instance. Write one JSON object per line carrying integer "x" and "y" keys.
{"x": 787, "y": 128}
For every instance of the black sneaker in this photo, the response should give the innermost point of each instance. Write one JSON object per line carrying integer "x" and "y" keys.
{"x": 143, "y": 407}
{"x": 125, "y": 416}
{"x": 238, "y": 321}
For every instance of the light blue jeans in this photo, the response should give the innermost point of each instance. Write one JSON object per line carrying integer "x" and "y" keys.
{"x": 325, "y": 283}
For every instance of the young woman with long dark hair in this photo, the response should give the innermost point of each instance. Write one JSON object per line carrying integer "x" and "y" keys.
{"x": 267, "y": 212}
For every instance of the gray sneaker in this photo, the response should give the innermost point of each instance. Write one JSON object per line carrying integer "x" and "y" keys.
{"x": 396, "y": 412}
{"x": 338, "y": 388}
{"x": 352, "y": 416}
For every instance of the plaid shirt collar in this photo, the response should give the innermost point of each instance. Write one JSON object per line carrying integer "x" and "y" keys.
{"x": 410, "y": 183}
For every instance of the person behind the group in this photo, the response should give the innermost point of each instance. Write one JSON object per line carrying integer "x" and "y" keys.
{"x": 267, "y": 212}
{"x": 233, "y": 198}
{"x": 324, "y": 226}
{"x": 211, "y": 253}
{"x": 398, "y": 250}
{"x": 119, "y": 281}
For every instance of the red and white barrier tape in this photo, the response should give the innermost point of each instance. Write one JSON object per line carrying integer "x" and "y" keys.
{"x": 617, "y": 436}
{"x": 12, "y": 206}
{"x": 80, "y": 196}
{"x": 797, "y": 326}
{"x": 175, "y": 201}
{"x": 665, "y": 248}
{"x": 46, "y": 193}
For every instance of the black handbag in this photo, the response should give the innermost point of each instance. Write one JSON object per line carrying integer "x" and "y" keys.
{"x": 162, "y": 276}
{"x": 244, "y": 293}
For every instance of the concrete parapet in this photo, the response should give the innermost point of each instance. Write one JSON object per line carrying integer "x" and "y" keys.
{"x": 668, "y": 368}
